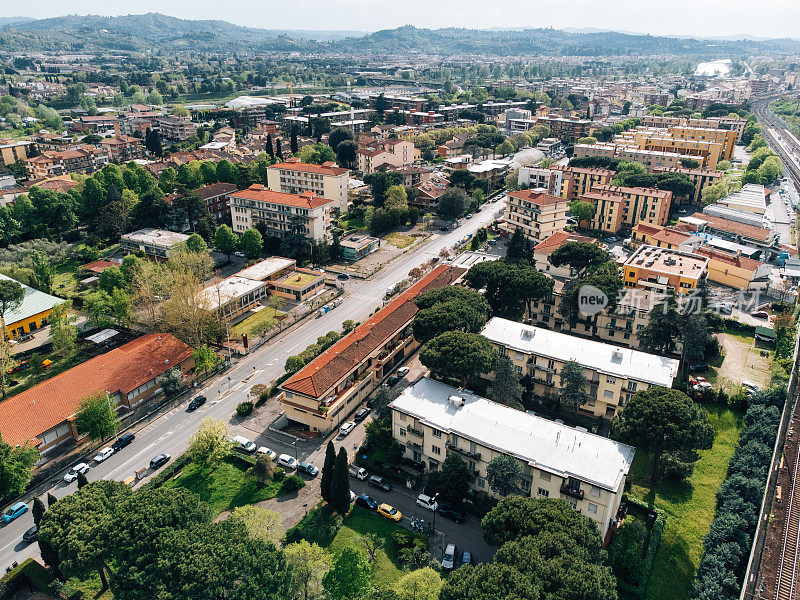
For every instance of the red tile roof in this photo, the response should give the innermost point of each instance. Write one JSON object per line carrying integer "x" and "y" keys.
{"x": 646, "y": 228}
{"x": 260, "y": 193}
{"x": 99, "y": 266}
{"x": 749, "y": 231}
{"x": 30, "y": 413}
{"x": 216, "y": 189}
{"x": 558, "y": 239}
{"x": 309, "y": 168}
{"x": 671, "y": 237}
{"x": 539, "y": 198}
{"x": 322, "y": 373}
{"x": 743, "y": 262}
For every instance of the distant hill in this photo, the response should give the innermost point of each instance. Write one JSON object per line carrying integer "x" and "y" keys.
{"x": 154, "y": 32}
{"x": 9, "y": 21}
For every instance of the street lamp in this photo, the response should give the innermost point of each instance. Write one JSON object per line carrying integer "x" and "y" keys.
{"x": 435, "y": 496}
{"x": 294, "y": 443}
{"x": 228, "y": 333}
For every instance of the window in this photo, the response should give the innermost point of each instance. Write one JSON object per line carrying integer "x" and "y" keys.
{"x": 595, "y": 491}
{"x": 632, "y": 386}
{"x": 402, "y": 416}
{"x": 436, "y": 433}
{"x": 543, "y": 492}
{"x": 436, "y": 449}
{"x": 544, "y": 476}
{"x": 592, "y": 508}
{"x": 481, "y": 482}
{"x": 402, "y": 433}
{"x": 608, "y": 393}
{"x": 610, "y": 380}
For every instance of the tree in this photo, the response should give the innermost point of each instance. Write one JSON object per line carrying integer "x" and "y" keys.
{"x": 37, "y": 511}
{"x": 51, "y": 500}
{"x": 262, "y": 471}
{"x": 380, "y": 402}
{"x": 309, "y": 563}
{"x": 82, "y": 480}
{"x": 269, "y": 149}
{"x": 205, "y": 358}
{"x": 579, "y": 256}
{"x": 349, "y": 575}
{"x": 659, "y": 420}
{"x": 488, "y": 581}
{"x": 63, "y": 331}
{"x": 422, "y": 584}
{"x": 372, "y": 544}
{"x": 97, "y": 416}
{"x": 171, "y": 381}
{"x": 459, "y": 355}
{"x": 111, "y": 279}
{"x": 195, "y": 243}
{"x": 510, "y": 286}
{"x": 225, "y": 241}
{"x": 209, "y": 444}
{"x": 506, "y": 387}
{"x": 452, "y": 203}
{"x": 339, "y": 135}
{"x": 582, "y": 211}
{"x": 517, "y": 247}
{"x": 449, "y": 308}
{"x": 451, "y": 482}
{"x": 261, "y": 524}
{"x": 11, "y": 296}
{"x": 503, "y": 474}
{"x": 326, "y": 480}
{"x": 346, "y": 153}
{"x": 16, "y": 466}
{"x": 573, "y": 385}
{"x": 251, "y": 242}
{"x": 340, "y": 483}
{"x": 42, "y": 273}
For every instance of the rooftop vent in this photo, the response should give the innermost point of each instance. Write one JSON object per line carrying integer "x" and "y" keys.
{"x": 457, "y": 401}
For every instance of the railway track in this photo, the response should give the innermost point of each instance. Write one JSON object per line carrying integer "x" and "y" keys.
{"x": 765, "y": 116}
{"x": 786, "y": 585}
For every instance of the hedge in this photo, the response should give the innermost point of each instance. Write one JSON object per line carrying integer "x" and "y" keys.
{"x": 654, "y": 541}
{"x": 168, "y": 472}
{"x": 726, "y": 547}
{"x": 31, "y": 571}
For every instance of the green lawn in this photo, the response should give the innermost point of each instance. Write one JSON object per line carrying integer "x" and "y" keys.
{"x": 690, "y": 508}
{"x": 224, "y": 488}
{"x": 387, "y": 567}
{"x": 252, "y": 324}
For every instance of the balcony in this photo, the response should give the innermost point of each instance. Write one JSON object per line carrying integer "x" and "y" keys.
{"x": 416, "y": 432}
{"x": 570, "y": 490}
{"x": 463, "y": 451}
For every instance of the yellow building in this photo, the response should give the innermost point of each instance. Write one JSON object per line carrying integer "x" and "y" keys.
{"x": 12, "y": 151}
{"x": 734, "y": 270}
{"x": 618, "y": 207}
{"x": 725, "y": 137}
{"x": 577, "y": 181}
{"x": 31, "y": 314}
{"x": 536, "y": 213}
{"x": 662, "y": 270}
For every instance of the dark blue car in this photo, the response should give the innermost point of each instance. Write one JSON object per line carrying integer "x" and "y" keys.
{"x": 365, "y": 501}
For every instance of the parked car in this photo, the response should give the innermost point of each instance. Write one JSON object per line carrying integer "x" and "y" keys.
{"x": 242, "y": 444}
{"x": 239, "y": 253}
{"x": 343, "y": 276}
{"x": 381, "y": 483}
{"x": 31, "y": 535}
{"x": 466, "y": 558}
{"x": 159, "y": 460}
{"x": 196, "y": 403}
{"x": 393, "y": 380}
{"x": 361, "y": 414}
{"x": 122, "y": 441}
{"x": 288, "y": 462}
{"x": 427, "y": 502}
{"x": 362, "y": 474}
{"x": 346, "y": 428}
{"x": 72, "y": 474}
{"x": 365, "y": 501}
{"x": 17, "y": 510}
{"x": 103, "y": 454}
{"x": 760, "y": 314}
{"x": 449, "y": 558}
{"x": 390, "y": 512}
{"x": 271, "y": 454}
{"x": 402, "y": 371}
{"x": 308, "y": 469}
{"x": 698, "y": 368}
{"x": 448, "y": 512}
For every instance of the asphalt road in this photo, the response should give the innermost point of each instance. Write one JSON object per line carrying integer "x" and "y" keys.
{"x": 170, "y": 433}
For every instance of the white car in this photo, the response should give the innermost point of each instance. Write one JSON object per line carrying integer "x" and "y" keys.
{"x": 402, "y": 371}
{"x": 347, "y": 428}
{"x": 72, "y": 474}
{"x": 104, "y": 454}
{"x": 288, "y": 462}
{"x": 427, "y": 502}
{"x": 268, "y": 451}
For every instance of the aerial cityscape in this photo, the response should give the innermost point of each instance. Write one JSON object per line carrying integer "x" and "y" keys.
{"x": 358, "y": 301}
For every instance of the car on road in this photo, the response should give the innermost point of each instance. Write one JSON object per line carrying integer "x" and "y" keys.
{"x": 390, "y": 512}
{"x": 72, "y": 474}
{"x": 760, "y": 314}
{"x": 449, "y": 558}
{"x": 698, "y": 368}
{"x": 196, "y": 403}
{"x": 17, "y": 510}
{"x": 403, "y": 371}
{"x": 443, "y": 228}
{"x": 346, "y": 428}
{"x": 362, "y": 474}
{"x": 308, "y": 469}
{"x": 288, "y": 462}
{"x": 122, "y": 441}
{"x": 361, "y": 414}
{"x": 466, "y": 558}
{"x": 610, "y": 240}
{"x": 159, "y": 460}
{"x": 381, "y": 483}
{"x": 103, "y": 454}
{"x": 365, "y": 501}
{"x": 31, "y": 535}
{"x": 271, "y": 454}
{"x": 242, "y": 444}
{"x": 343, "y": 276}
{"x": 426, "y": 501}
{"x": 392, "y": 380}
{"x": 448, "y": 512}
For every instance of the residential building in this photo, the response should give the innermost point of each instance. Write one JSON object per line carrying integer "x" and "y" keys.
{"x": 85, "y": 159}
{"x": 123, "y": 148}
{"x": 671, "y": 238}
{"x": 97, "y": 124}
{"x": 536, "y": 212}
{"x": 156, "y": 244}
{"x": 701, "y": 178}
{"x": 358, "y": 245}
{"x": 577, "y": 181}
{"x": 44, "y": 415}
{"x": 12, "y": 151}
{"x": 281, "y": 213}
{"x": 175, "y": 129}
{"x": 429, "y": 193}
{"x": 613, "y": 374}
{"x": 325, "y": 180}
{"x": 619, "y": 207}
{"x": 734, "y": 270}
{"x": 413, "y": 176}
{"x": 322, "y": 394}
{"x": 432, "y": 420}
{"x": 217, "y": 198}
{"x": 725, "y": 137}
{"x": 568, "y": 130}
{"x": 391, "y": 153}
{"x": 662, "y": 270}
{"x": 31, "y": 314}
{"x": 543, "y": 250}
{"x": 541, "y": 178}
{"x": 45, "y": 140}
{"x": 299, "y": 285}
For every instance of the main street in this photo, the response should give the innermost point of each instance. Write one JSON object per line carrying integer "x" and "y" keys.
{"x": 170, "y": 432}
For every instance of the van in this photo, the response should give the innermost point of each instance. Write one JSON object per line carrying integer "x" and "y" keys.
{"x": 242, "y": 443}
{"x": 449, "y": 558}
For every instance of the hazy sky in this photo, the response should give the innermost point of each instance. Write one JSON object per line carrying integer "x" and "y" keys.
{"x": 764, "y": 18}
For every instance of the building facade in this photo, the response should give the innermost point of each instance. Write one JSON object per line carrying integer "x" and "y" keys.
{"x": 325, "y": 180}
{"x": 537, "y": 213}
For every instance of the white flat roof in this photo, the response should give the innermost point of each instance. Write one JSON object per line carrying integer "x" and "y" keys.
{"x": 219, "y": 294}
{"x": 604, "y": 358}
{"x": 265, "y": 269}
{"x": 155, "y": 237}
{"x": 544, "y": 444}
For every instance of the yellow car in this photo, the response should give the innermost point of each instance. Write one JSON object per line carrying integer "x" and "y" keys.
{"x": 390, "y": 512}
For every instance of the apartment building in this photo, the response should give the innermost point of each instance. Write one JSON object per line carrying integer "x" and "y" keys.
{"x": 541, "y": 178}
{"x": 217, "y": 198}
{"x": 432, "y": 420}
{"x": 323, "y": 393}
{"x": 326, "y": 180}
{"x": 671, "y": 238}
{"x": 734, "y": 270}
{"x": 389, "y": 153}
{"x": 725, "y": 137}
{"x": 86, "y": 159}
{"x": 536, "y": 212}
{"x": 12, "y": 151}
{"x": 398, "y": 102}
{"x": 701, "y": 178}
{"x": 543, "y": 250}
{"x": 175, "y": 129}
{"x": 628, "y": 152}
{"x": 613, "y": 374}
{"x": 305, "y": 213}
{"x": 568, "y": 130}
{"x": 156, "y": 244}
{"x": 123, "y": 148}
{"x": 664, "y": 270}
{"x": 578, "y": 181}
{"x": 97, "y": 124}
{"x": 618, "y": 207}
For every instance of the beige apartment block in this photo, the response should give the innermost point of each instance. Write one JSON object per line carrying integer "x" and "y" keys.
{"x": 536, "y": 212}
{"x": 325, "y": 180}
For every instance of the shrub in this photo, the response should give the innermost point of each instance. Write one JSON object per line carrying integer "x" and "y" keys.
{"x": 319, "y": 527}
{"x": 264, "y": 396}
{"x": 291, "y": 484}
{"x": 278, "y": 474}
{"x": 626, "y": 557}
{"x": 244, "y": 408}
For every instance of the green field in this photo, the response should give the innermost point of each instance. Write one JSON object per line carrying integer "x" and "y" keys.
{"x": 690, "y": 506}
{"x": 399, "y": 240}
{"x": 254, "y": 324}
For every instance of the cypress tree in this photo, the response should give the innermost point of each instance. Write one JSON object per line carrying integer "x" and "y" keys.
{"x": 326, "y": 481}
{"x": 340, "y": 489}
{"x": 269, "y": 149}
{"x": 293, "y": 140}
{"x": 279, "y": 149}
{"x": 51, "y": 500}
{"x": 82, "y": 481}
{"x": 37, "y": 510}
